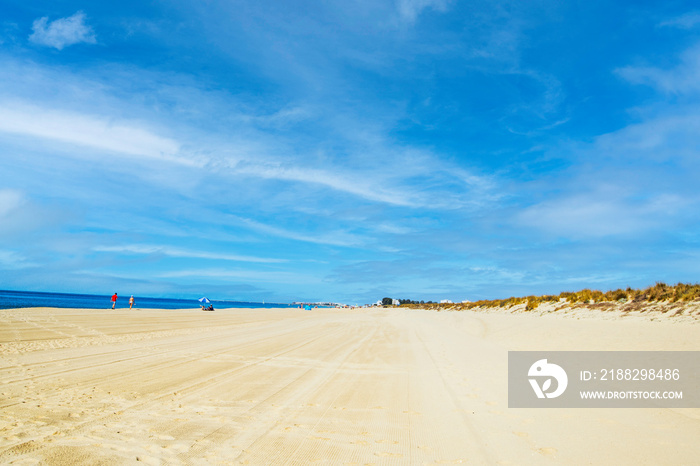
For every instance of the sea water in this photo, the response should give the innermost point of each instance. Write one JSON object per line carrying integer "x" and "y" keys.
{"x": 15, "y": 299}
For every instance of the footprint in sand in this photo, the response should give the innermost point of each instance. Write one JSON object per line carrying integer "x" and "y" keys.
{"x": 178, "y": 447}
{"x": 521, "y": 434}
{"x": 148, "y": 460}
{"x": 389, "y": 455}
{"x": 546, "y": 451}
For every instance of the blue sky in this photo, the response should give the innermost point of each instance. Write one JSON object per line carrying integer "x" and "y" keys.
{"x": 348, "y": 150}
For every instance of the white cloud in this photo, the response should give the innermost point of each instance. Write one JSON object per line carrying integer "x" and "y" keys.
{"x": 88, "y": 130}
{"x": 410, "y": 9}
{"x": 373, "y": 167}
{"x": 361, "y": 184}
{"x": 62, "y": 32}
{"x": 146, "y": 249}
{"x": 394, "y": 229}
{"x": 336, "y": 238}
{"x": 246, "y": 157}
{"x": 640, "y": 178}
{"x": 13, "y": 260}
{"x": 684, "y": 78}
{"x": 19, "y": 215}
{"x": 673, "y": 137}
{"x": 686, "y": 21}
{"x": 600, "y": 214}
{"x": 10, "y": 200}
{"x": 244, "y": 275}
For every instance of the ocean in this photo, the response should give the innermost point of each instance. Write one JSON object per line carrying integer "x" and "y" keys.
{"x": 15, "y": 299}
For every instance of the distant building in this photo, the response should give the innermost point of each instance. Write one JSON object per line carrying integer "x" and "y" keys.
{"x": 395, "y": 302}
{"x": 466, "y": 301}
{"x": 445, "y": 301}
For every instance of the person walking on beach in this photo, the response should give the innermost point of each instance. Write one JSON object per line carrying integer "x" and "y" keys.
{"x": 131, "y": 301}
{"x": 114, "y": 300}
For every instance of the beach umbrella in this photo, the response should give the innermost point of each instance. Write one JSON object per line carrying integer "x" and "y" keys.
{"x": 204, "y": 300}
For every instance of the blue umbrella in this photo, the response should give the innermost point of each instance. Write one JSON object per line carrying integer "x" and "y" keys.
{"x": 204, "y": 300}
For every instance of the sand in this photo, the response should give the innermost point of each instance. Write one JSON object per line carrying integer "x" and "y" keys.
{"x": 274, "y": 386}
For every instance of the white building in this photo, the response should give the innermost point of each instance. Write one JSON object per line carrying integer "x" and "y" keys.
{"x": 445, "y": 301}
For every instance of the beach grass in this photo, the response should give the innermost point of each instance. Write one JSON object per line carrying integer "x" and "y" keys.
{"x": 659, "y": 292}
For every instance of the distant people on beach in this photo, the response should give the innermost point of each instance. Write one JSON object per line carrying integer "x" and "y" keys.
{"x": 131, "y": 301}
{"x": 210, "y": 308}
{"x": 114, "y": 300}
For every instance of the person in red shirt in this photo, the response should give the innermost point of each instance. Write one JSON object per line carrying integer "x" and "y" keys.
{"x": 114, "y": 300}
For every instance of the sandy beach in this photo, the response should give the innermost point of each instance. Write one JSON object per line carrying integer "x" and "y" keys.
{"x": 329, "y": 386}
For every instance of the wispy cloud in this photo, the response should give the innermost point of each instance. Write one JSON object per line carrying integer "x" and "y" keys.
{"x": 88, "y": 130}
{"x": 670, "y": 136}
{"x": 373, "y": 166}
{"x": 245, "y": 275}
{"x": 19, "y": 215}
{"x": 684, "y": 78}
{"x": 638, "y": 180}
{"x": 10, "y": 200}
{"x": 13, "y": 260}
{"x": 130, "y": 138}
{"x": 62, "y": 32}
{"x": 145, "y": 249}
{"x": 334, "y": 238}
{"x": 341, "y": 180}
{"x": 598, "y": 215}
{"x": 410, "y": 9}
{"x": 685, "y": 21}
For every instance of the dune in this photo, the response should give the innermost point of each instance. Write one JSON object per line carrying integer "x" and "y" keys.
{"x": 330, "y": 386}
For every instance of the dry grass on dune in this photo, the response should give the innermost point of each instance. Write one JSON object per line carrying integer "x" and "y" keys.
{"x": 660, "y": 292}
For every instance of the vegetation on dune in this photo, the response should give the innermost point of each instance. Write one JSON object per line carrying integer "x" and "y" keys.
{"x": 660, "y": 292}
